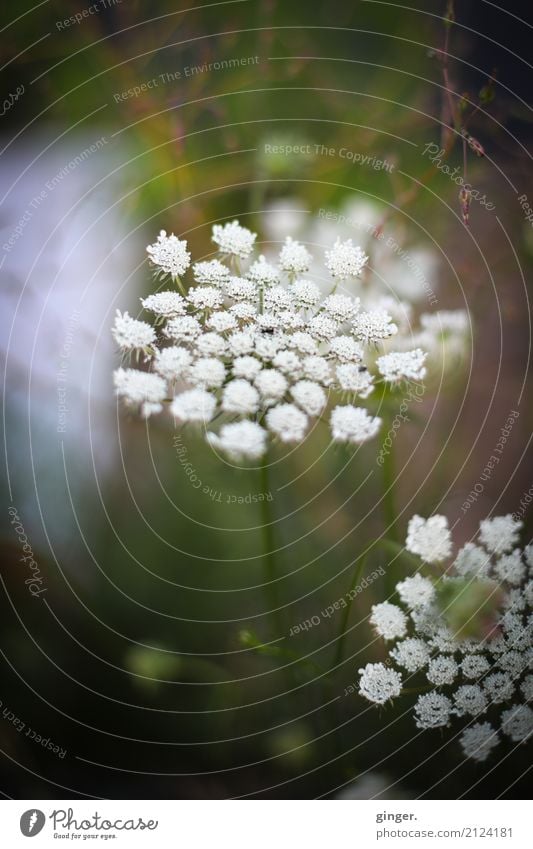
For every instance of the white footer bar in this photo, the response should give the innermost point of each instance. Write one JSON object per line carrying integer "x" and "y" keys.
{"x": 267, "y": 824}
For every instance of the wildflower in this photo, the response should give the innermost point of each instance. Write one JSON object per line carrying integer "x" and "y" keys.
{"x": 479, "y": 740}
{"x": 510, "y": 568}
{"x": 389, "y": 620}
{"x": 322, "y": 327}
{"x": 194, "y": 405}
{"x": 294, "y": 258}
{"x": 341, "y": 308}
{"x": 233, "y": 239}
{"x": 355, "y": 379}
{"x": 240, "y": 440}
{"x": 244, "y": 311}
{"x": 287, "y": 422}
{"x": 472, "y": 560}
{"x": 442, "y": 670}
{"x": 305, "y": 295}
{"x": 247, "y": 367}
{"x": 408, "y": 365}
{"x": 222, "y": 321}
{"x": 289, "y": 363}
{"x": 412, "y": 653}
{"x": 474, "y": 665}
{"x": 500, "y": 534}
{"x": 499, "y": 687}
{"x": 165, "y": 304}
{"x": 207, "y": 372}
{"x": 517, "y": 723}
{"x": 432, "y": 710}
{"x": 239, "y": 396}
{"x": 444, "y": 336}
{"x": 416, "y": 591}
{"x": 345, "y": 260}
{"x": 241, "y": 342}
{"x": 353, "y": 425}
{"x": 346, "y": 349}
{"x": 240, "y": 289}
{"x": 211, "y": 273}
{"x": 514, "y": 662}
{"x": 150, "y": 408}
{"x": 132, "y": 335}
{"x": 211, "y": 344}
{"x": 263, "y": 274}
{"x": 526, "y": 687}
{"x": 469, "y": 675}
{"x": 272, "y": 385}
{"x": 445, "y": 322}
{"x": 137, "y": 387}
{"x": 310, "y": 396}
{"x": 379, "y": 684}
{"x": 303, "y": 343}
{"x": 169, "y": 255}
{"x": 277, "y": 299}
{"x": 172, "y": 363}
{"x": 430, "y": 538}
{"x": 266, "y": 346}
{"x": 373, "y": 326}
{"x": 317, "y": 368}
{"x": 267, "y": 322}
{"x": 205, "y": 297}
{"x": 184, "y": 328}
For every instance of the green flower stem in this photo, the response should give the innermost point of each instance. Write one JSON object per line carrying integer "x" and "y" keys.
{"x": 235, "y": 262}
{"x": 389, "y": 506}
{"x": 341, "y": 639}
{"x": 179, "y": 284}
{"x": 389, "y": 510}
{"x": 269, "y": 554}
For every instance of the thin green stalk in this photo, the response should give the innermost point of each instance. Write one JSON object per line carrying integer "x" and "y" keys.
{"x": 389, "y": 506}
{"x": 341, "y": 639}
{"x": 269, "y": 554}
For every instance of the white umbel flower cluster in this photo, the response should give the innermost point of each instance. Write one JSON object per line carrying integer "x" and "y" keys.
{"x": 169, "y": 255}
{"x": 133, "y": 335}
{"x": 234, "y": 240}
{"x": 389, "y": 620}
{"x": 406, "y": 365}
{"x": 345, "y": 260}
{"x": 473, "y": 678}
{"x": 429, "y": 538}
{"x": 260, "y": 347}
{"x": 294, "y": 258}
{"x": 141, "y": 389}
{"x": 379, "y": 684}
